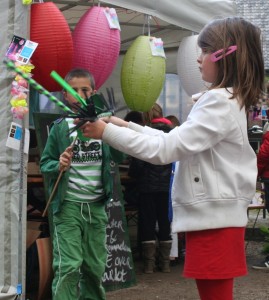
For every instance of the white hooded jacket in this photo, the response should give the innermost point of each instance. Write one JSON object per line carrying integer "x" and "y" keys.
{"x": 215, "y": 177}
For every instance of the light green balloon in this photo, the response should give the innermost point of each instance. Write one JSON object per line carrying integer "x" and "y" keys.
{"x": 142, "y": 75}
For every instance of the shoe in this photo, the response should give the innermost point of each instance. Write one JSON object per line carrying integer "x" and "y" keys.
{"x": 182, "y": 253}
{"x": 262, "y": 265}
{"x": 174, "y": 262}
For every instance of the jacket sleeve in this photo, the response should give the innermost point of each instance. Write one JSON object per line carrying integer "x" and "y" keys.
{"x": 263, "y": 155}
{"x": 209, "y": 122}
{"x": 117, "y": 156}
{"x": 49, "y": 162}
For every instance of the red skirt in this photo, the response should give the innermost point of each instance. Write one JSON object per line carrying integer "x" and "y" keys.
{"x": 215, "y": 253}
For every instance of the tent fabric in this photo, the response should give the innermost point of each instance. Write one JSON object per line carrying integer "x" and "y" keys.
{"x": 188, "y": 14}
{"x": 13, "y": 175}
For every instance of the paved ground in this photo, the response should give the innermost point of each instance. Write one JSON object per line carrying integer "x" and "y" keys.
{"x": 173, "y": 286}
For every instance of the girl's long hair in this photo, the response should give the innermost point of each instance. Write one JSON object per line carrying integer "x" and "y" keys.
{"x": 243, "y": 70}
{"x": 155, "y": 112}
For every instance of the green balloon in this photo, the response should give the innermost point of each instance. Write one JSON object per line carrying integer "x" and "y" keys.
{"x": 142, "y": 75}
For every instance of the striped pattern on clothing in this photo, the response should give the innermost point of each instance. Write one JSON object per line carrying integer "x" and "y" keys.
{"x": 85, "y": 181}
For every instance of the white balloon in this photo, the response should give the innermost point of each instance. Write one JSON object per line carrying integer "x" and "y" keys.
{"x": 187, "y": 66}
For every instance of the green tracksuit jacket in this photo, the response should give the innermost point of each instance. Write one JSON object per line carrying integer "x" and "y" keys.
{"x": 57, "y": 142}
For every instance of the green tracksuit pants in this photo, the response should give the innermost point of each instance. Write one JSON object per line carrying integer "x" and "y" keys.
{"x": 79, "y": 252}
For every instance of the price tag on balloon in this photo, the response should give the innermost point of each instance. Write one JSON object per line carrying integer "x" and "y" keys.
{"x": 156, "y": 46}
{"x": 112, "y": 18}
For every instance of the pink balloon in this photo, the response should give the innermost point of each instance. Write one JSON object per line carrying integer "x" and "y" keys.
{"x": 96, "y": 46}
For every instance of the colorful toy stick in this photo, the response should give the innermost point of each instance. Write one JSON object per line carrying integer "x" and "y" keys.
{"x": 39, "y": 87}
{"x": 67, "y": 87}
{"x": 71, "y": 91}
{"x": 87, "y": 111}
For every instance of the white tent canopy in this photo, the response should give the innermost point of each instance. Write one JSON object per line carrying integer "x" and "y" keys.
{"x": 188, "y": 14}
{"x": 171, "y": 20}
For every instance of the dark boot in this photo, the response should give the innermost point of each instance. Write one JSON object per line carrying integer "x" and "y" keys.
{"x": 149, "y": 249}
{"x": 164, "y": 256}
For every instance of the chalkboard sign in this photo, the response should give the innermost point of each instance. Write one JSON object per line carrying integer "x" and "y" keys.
{"x": 119, "y": 271}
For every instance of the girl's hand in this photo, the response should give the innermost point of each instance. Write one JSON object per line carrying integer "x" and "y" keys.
{"x": 96, "y": 129}
{"x": 116, "y": 121}
{"x": 93, "y": 129}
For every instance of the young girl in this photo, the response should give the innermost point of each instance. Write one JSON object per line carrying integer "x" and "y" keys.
{"x": 215, "y": 178}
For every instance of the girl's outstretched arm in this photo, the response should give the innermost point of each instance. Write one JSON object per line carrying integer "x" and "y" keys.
{"x": 116, "y": 121}
{"x": 95, "y": 129}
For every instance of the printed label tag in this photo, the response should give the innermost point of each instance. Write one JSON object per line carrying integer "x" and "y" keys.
{"x": 112, "y": 18}
{"x": 15, "y": 137}
{"x": 156, "y": 45}
{"x": 21, "y": 49}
